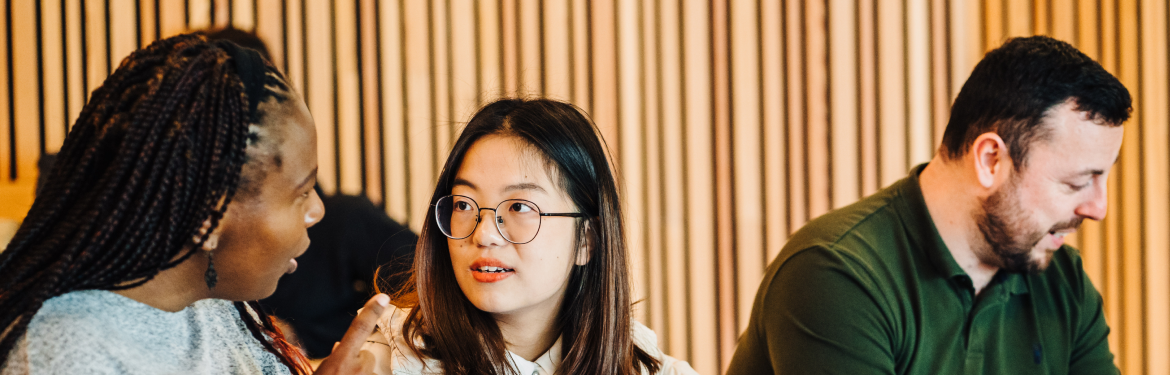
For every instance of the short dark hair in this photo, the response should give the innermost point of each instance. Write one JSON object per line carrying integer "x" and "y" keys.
{"x": 1014, "y": 86}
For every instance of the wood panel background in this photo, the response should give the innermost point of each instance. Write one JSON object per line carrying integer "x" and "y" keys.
{"x": 733, "y": 122}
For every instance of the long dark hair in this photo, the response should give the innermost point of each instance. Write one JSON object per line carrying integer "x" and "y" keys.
{"x": 594, "y": 322}
{"x": 158, "y": 145}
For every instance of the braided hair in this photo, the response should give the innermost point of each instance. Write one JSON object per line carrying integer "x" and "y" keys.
{"x": 158, "y": 150}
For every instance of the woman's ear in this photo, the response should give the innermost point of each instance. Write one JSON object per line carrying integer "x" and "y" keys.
{"x": 587, "y": 243}
{"x": 212, "y": 240}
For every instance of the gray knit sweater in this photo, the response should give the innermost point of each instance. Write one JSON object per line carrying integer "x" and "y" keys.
{"x": 101, "y": 332}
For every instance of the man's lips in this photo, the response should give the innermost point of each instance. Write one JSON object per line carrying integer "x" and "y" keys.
{"x": 490, "y": 270}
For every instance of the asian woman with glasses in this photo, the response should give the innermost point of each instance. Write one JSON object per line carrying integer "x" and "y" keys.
{"x": 521, "y": 267}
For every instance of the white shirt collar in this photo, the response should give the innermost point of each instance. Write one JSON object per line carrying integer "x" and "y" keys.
{"x": 545, "y": 364}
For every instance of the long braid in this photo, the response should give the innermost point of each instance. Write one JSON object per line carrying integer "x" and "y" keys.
{"x": 152, "y": 154}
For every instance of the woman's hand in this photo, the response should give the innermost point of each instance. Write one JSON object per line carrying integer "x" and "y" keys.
{"x": 347, "y": 357}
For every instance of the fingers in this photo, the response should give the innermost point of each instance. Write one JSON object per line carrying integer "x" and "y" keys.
{"x": 361, "y": 328}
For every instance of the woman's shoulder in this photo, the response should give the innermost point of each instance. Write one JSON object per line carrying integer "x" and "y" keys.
{"x": 392, "y": 354}
{"x": 647, "y": 340}
{"x": 78, "y": 326}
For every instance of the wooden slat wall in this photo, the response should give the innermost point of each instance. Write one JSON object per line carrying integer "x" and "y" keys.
{"x": 732, "y": 122}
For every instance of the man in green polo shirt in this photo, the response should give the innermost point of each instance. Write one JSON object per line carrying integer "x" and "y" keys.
{"x": 961, "y": 267}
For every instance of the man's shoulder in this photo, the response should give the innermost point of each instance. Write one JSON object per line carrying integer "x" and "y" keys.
{"x": 864, "y": 230}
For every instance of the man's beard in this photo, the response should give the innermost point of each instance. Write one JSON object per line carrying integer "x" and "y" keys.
{"x": 1003, "y": 224}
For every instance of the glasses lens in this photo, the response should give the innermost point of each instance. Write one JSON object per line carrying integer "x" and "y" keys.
{"x": 519, "y": 220}
{"x": 456, "y": 215}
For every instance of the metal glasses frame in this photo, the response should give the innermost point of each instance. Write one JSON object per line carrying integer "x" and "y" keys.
{"x": 498, "y": 219}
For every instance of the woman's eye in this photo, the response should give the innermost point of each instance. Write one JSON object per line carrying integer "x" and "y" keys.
{"x": 520, "y": 207}
{"x": 462, "y": 206}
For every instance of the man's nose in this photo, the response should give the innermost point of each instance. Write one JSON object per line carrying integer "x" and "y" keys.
{"x": 1096, "y": 206}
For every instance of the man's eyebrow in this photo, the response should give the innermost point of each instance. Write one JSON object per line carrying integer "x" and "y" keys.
{"x": 525, "y": 186}
{"x": 307, "y": 179}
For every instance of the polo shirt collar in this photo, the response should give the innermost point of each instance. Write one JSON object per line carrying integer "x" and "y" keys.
{"x": 921, "y": 230}
{"x": 920, "y": 227}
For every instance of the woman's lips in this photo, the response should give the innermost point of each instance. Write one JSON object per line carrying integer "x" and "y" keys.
{"x": 488, "y": 270}
{"x": 292, "y": 266}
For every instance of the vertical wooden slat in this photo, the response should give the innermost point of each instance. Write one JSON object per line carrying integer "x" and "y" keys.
{"x": 242, "y": 14}
{"x": 843, "y": 102}
{"x": 294, "y": 57}
{"x": 653, "y": 305}
{"x": 699, "y": 176}
{"x": 1154, "y": 97}
{"x": 148, "y": 23}
{"x": 1091, "y": 236}
{"x": 7, "y": 125}
{"x": 1018, "y": 19}
{"x": 817, "y": 116}
{"x": 53, "y": 41}
{"x": 123, "y": 34}
{"x": 1112, "y": 290}
{"x": 994, "y": 24}
{"x": 347, "y": 96}
{"x": 440, "y": 61}
{"x": 510, "y": 46}
{"x": 1041, "y": 23}
{"x": 557, "y": 45}
{"x": 604, "y": 78}
{"x": 1132, "y": 329}
{"x": 632, "y": 171}
{"x": 27, "y": 105}
{"x": 371, "y": 106}
{"x": 773, "y": 102}
{"x": 172, "y": 18}
{"x": 528, "y": 30}
{"x": 464, "y": 49}
{"x": 676, "y": 250}
{"x": 74, "y": 62}
{"x": 271, "y": 28}
{"x": 95, "y": 44}
{"x": 198, "y": 14}
{"x": 1064, "y": 21}
{"x": 891, "y": 83}
{"x": 221, "y": 13}
{"x": 725, "y": 241}
{"x": 582, "y": 89}
{"x": 918, "y": 101}
{"x": 746, "y": 132}
{"x": 967, "y": 18}
{"x": 320, "y": 89}
{"x": 490, "y": 55}
{"x": 795, "y": 77}
{"x": 867, "y": 64}
{"x": 940, "y": 68}
{"x": 419, "y": 123}
{"x": 393, "y": 86}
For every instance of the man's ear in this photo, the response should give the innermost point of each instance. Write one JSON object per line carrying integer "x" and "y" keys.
{"x": 586, "y": 244}
{"x": 990, "y": 159}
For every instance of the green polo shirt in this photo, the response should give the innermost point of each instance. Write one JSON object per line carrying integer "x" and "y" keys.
{"x": 872, "y": 289}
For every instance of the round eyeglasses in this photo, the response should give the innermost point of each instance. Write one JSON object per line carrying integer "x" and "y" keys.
{"x": 517, "y": 220}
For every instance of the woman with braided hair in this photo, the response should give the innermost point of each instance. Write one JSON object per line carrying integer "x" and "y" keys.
{"x": 186, "y": 184}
